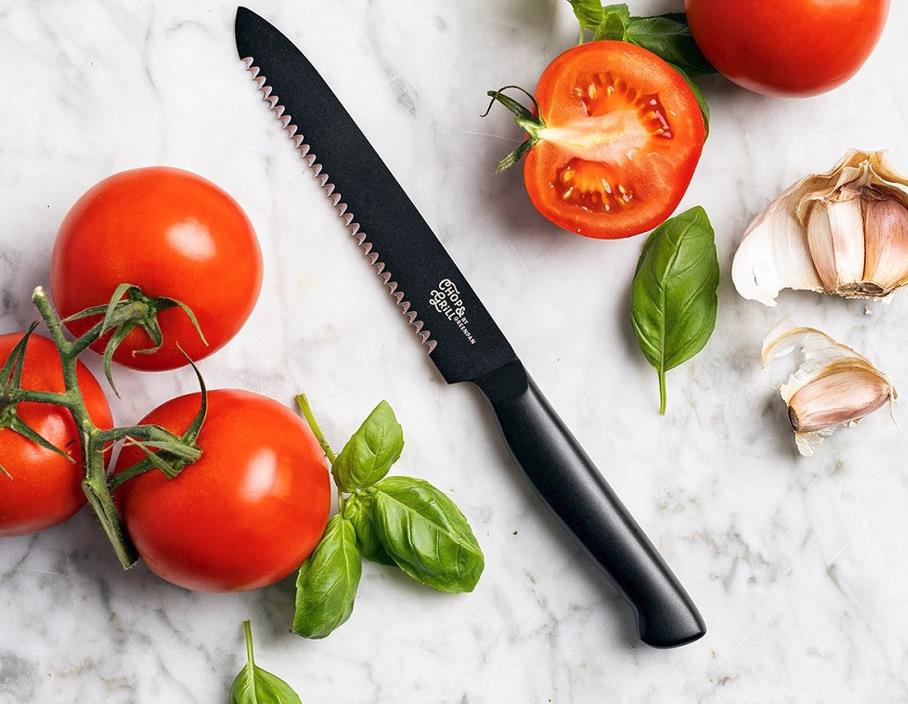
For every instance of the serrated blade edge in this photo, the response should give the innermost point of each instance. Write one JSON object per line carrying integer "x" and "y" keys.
{"x": 336, "y": 199}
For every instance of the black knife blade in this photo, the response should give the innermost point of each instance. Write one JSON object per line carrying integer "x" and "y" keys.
{"x": 463, "y": 340}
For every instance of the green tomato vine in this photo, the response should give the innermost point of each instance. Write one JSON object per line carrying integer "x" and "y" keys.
{"x": 166, "y": 452}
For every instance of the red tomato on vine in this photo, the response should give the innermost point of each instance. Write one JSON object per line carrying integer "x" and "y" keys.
{"x": 172, "y": 234}
{"x": 44, "y": 488}
{"x": 245, "y": 515}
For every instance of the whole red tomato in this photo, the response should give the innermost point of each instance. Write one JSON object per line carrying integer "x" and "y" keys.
{"x": 244, "y": 516}
{"x": 45, "y": 488}
{"x": 787, "y": 47}
{"x": 172, "y": 233}
{"x": 623, "y": 134}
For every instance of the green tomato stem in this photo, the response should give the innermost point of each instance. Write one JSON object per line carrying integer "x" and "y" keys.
{"x": 95, "y": 483}
{"x": 93, "y": 440}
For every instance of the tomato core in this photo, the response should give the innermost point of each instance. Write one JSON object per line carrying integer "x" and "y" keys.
{"x": 619, "y": 120}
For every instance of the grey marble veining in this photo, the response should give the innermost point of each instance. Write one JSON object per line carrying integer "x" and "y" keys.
{"x": 799, "y": 565}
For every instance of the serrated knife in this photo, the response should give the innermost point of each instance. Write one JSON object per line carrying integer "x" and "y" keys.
{"x": 459, "y": 333}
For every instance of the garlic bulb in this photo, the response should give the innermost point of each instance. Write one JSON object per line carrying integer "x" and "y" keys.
{"x": 844, "y": 232}
{"x": 834, "y": 386}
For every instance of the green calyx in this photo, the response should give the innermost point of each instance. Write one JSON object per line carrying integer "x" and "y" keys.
{"x": 164, "y": 451}
{"x": 528, "y": 120}
{"x": 127, "y": 310}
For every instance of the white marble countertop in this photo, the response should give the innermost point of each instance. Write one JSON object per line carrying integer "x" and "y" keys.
{"x": 798, "y": 565}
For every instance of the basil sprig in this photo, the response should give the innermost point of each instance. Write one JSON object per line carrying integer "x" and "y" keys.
{"x": 253, "y": 685}
{"x": 668, "y": 36}
{"x": 399, "y": 521}
{"x": 673, "y": 298}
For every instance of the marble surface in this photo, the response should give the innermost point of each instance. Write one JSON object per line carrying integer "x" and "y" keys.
{"x": 798, "y": 565}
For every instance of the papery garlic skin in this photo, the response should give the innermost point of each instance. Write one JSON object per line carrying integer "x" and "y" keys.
{"x": 834, "y": 386}
{"x": 844, "y": 232}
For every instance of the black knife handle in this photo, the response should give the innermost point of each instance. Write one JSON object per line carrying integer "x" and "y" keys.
{"x": 570, "y": 484}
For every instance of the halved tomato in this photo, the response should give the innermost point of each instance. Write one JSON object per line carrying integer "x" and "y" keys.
{"x": 621, "y": 135}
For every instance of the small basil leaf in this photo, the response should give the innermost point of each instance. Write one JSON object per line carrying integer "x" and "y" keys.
{"x": 253, "y": 685}
{"x": 698, "y": 94}
{"x": 673, "y": 298}
{"x": 589, "y": 13}
{"x": 327, "y": 582}
{"x": 359, "y": 510}
{"x": 427, "y": 535}
{"x": 614, "y": 23}
{"x": 369, "y": 454}
{"x": 605, "y": 22}
{"x": 671, "y": 40}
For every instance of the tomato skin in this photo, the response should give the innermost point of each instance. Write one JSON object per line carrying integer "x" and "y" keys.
{"x": 660, "y": 171}
{"x": 172, "y": 233}
{"x": 787, "y": 47}
{"x": 45, "y": 489}
{"x": 244, "y": 516}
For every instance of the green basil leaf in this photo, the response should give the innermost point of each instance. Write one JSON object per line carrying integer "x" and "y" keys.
{"x": 253, "y": 685}
{"x": 359, "y": 510}
{"x": 671, "y": 40}
{"x": 673, "y": 298}
{"x": 589, "y": 13}
{"x": 698, "y": 94}
{"x": 327, "y": 581}
{"x": 427, "y": 535}
{"x": 369, "y": 454}
{"x": 614, "y": 22}
{"x": 605, "y": 22}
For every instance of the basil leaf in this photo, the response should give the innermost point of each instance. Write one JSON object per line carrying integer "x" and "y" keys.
{"x": 427, "y": 535}
{"x": 673, "y": 298}
{"x": 614, "y": 22}
{"x": 253, "y": 685}
{"x": 327, "y": 581}
{"x": 671, "y": 40}
{"x": 369, "y": 454}
{"x": 359, "y": 510}
{"x": 605, "y": 22}
{"x": 698, "y": 94}
{"x": 589, "y": 13}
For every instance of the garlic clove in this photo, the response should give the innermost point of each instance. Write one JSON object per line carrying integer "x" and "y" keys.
{"x": 842, "y": 232}
{"x": 835, "y": 238}
{"x": 886, "y": 260}
{"x": 833, "y": 387}
{"x": 842, "y": 394}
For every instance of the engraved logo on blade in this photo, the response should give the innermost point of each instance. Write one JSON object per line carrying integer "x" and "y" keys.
{"x": 447, "y": 301}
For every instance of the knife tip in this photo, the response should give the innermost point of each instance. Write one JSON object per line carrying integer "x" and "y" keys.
{"x": 244, "y": 18}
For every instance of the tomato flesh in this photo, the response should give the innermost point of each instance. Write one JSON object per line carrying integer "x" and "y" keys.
{"x": 622, "y": 137}
{"x": 246, "y": 514}
{"x": 45, "y": 488}
{"x": 787, "y": 47}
